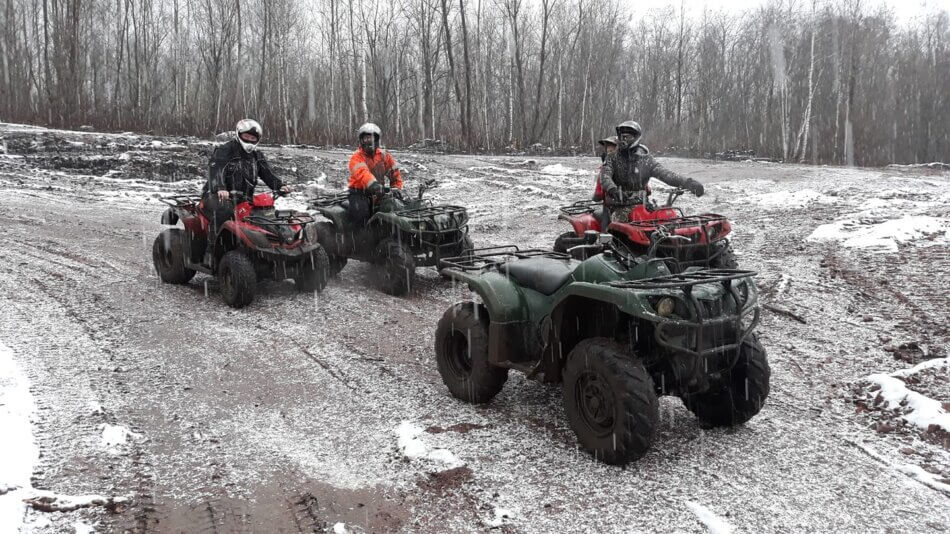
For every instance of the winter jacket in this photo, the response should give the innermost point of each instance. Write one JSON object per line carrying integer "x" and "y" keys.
{"x": 631, "y": 169}
{"x": 234, "y": 169}
{"x": 364, "y": 170}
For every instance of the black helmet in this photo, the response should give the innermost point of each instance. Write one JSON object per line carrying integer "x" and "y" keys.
{"x": 632, "y": 137}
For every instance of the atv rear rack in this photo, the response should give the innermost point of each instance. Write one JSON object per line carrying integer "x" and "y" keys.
{"x": 481, "y": 259}
{"x": 281, "y": 218}
{"x": 181, "y": 201}
{"x": 581, "y": 207}
{"x": 328, "y": 200}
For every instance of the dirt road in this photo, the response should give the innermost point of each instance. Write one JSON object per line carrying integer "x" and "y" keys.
{"x": 288, "y": 416}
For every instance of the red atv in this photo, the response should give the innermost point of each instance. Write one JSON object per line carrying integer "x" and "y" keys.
{"x": 656, "y": 231}
{"x": 260, "y": 242}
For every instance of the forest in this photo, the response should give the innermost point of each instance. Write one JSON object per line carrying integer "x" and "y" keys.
{"x": 816, "y": 82}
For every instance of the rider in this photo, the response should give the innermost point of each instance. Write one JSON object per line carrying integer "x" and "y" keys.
{"x": 235, "y": 166}
{"x": 626, "y": 172}
{"x": 370, "y": 165}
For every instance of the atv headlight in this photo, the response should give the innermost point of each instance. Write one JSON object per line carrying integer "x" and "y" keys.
{"x": 665, "y": 306}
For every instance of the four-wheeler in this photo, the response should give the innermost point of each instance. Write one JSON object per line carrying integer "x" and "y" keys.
{"x": 656, "y": 231}
{"x": 618, "y": 329}
{"x": 402, "y": 234}
{"x": 260, "y": 242}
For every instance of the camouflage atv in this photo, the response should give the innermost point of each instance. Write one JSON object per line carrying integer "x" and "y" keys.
{"x": 402, "y": 234}
{"x": 617, "y": 329}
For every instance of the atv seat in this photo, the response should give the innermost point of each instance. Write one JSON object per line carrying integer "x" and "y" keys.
{"x": 544, "y": 275}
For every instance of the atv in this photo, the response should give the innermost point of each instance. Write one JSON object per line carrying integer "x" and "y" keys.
{"x": 260, "y": 242}
{"x": 402, "y": 234}
{"x": 617, "y": 329}
{"x": 657, "y": 231}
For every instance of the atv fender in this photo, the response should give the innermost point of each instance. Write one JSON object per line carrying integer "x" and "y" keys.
{"x": 581, "y": 223}
{"x": 169, "y": 217}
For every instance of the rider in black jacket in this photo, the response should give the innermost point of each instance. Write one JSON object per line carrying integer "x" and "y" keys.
{"x": 235, "y": 166}
{"x": 627, "y": 171}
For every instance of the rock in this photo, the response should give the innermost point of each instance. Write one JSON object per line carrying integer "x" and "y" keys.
{"x": 868, "y": 319}
{"x": 884, "y": 428}
{"x": 907, "y": 451}
{"x": 85, "y": 128}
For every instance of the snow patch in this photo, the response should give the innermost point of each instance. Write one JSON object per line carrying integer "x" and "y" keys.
{"x": 82, "y": 528}
{"x": 500, "y": 517}
{"x": 885, "y": 236}
{"x": 560, "y": 170}
{"x": 925, "y": 478}
{"x": 714, "y": 523}
{"x": 410, "y": 444}
{"x": 18, "y": 453}
{"x": 792, "y": 199}
{"x": 916, "y": 409}
{"x": 926, "y": 364}
{"x": 114, "y": 436}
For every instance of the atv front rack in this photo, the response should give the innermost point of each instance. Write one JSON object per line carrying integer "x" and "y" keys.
{"x": 428, "y": 212}
{"x": 685, "y": 221}
{"x": 685, "y": 280}
{"x": 481, "y": 259}
{"x": 690, "y": 334}
{"x": 581, "y": 207}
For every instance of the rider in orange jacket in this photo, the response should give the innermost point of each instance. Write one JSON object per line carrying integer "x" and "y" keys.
{"x": 369, "y": 166}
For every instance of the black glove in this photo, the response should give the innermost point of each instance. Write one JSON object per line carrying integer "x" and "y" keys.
{"x": 615, "y": 196}
{"x": 375, "y": 189}
{"x": 695, "y": 187}
{"x": 397, "y": 193}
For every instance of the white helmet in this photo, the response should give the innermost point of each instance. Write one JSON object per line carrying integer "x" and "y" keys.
{"x": 248, "y": 132}
{"x": 370, "y": 128}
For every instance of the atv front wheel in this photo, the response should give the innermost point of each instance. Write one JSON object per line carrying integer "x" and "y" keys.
{"x": 313, "y": 272}
{"x": 398, "y": 267}
{"x": 169, "y": 252}
{"x": 461, "y": 354}
{"x": 610, "y": 401}
{"x": 238, "y": 279}
{"x": 726, "y": 259}
{"x": 742, "y": 392}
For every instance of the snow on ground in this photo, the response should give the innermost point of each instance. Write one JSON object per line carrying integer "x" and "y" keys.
{"x": 18, "y": 453}
{"x": 560, "y": 170}
{"x": 921, "y": 230}
{"x": 792, "y": 199}
{"x": 714, "y": 523}
{"x": 412, "y": 445}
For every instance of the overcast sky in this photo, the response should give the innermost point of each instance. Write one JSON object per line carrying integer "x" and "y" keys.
{"x": 904, "y": 10}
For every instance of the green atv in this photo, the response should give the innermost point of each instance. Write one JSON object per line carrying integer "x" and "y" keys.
{"x": 616, "y": 328}
{"x": 402, "y": 234}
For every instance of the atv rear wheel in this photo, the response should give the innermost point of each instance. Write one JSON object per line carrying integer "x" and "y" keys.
{"x": 169, "y": 252}
{"x": 398, "y": 267}
{"x": 238, "y": 279}
{"x": 559, "y": 244}
{"x": 313, "y": 272}
{"x": 610, "y": 401}
{"x": 742, "y": 392}
{"x": 461, "y": 354}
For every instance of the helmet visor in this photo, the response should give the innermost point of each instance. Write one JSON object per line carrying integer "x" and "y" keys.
{"x": 249, "y": 137}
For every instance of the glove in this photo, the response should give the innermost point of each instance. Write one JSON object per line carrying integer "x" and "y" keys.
{"x": 397, "y": 193}
{"x": 375, "y": 189}
{"x": 695, "y": 187}
{"x": 615, "y": 196}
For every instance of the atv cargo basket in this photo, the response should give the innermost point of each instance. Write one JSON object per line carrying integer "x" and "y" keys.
{"x": 685, "y": 221}
{"x": 695, "y": 334}
{"x": 486, "y": 258}
{"x": 281, "y": 218}
{"x": 430, "y": 212}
